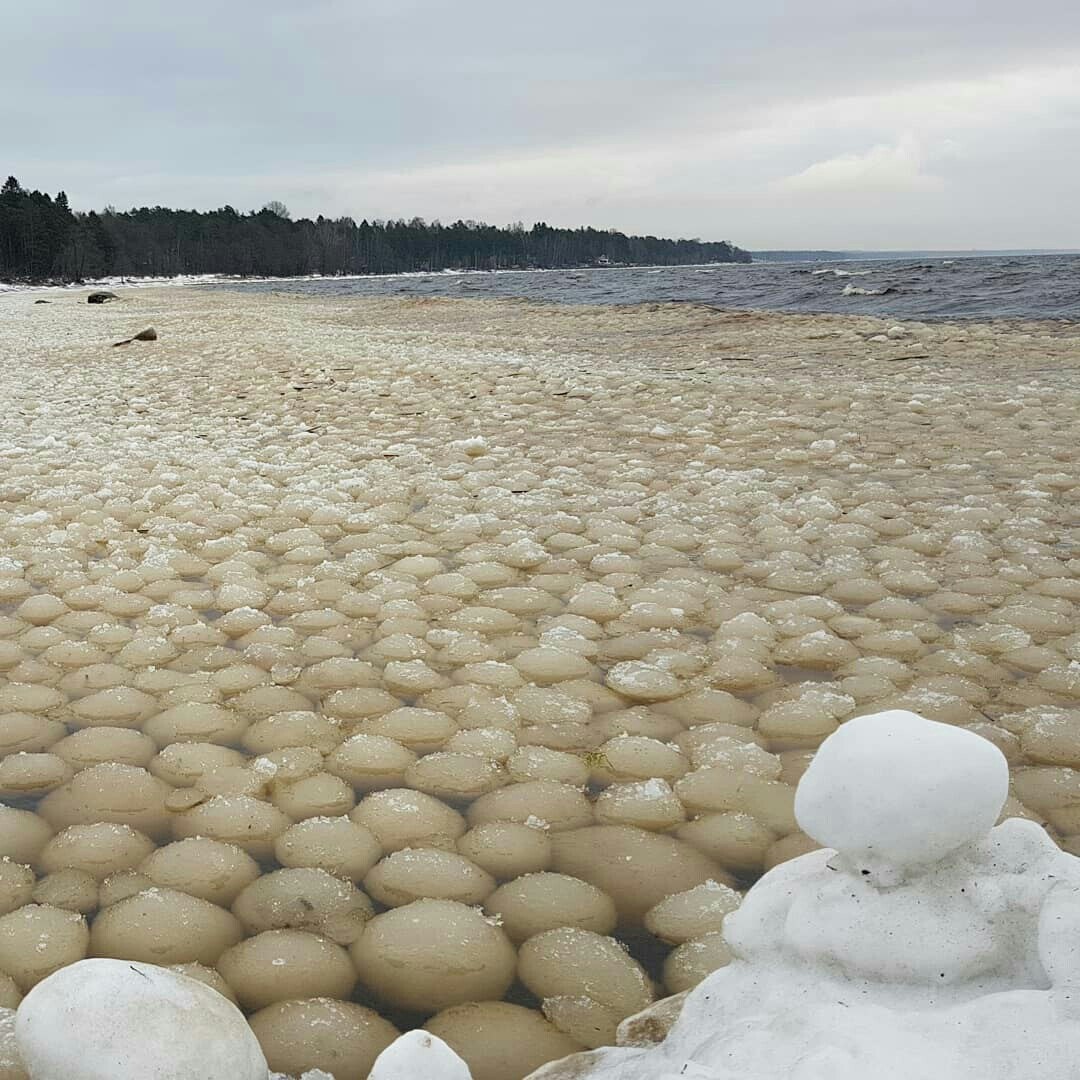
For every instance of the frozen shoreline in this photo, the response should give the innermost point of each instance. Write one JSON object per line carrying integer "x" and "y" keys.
{"x": 602, "y": 578}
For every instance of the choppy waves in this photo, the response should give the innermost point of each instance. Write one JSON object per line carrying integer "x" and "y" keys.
{"x": 1025, "y": 287}
{"x": 855, "y": 290}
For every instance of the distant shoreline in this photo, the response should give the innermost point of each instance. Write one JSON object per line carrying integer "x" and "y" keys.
{"x": 823, "y": 255}
{"x": 758, "y": 258}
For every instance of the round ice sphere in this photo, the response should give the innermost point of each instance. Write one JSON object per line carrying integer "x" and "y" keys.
{"x": 497, "y": 1039}
{"x": 102, "y": 1019}
{"x": 322, "y": 1033}
{"x": 38, "y": 939}
{"x": 896, "y": 789}
{"x": 430, "y": 954}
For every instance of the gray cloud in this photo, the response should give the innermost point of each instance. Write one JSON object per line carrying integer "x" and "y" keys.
{"x": 836, "y": 123}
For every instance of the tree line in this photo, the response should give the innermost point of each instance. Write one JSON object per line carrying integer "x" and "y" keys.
{"x": 43, "y": 239}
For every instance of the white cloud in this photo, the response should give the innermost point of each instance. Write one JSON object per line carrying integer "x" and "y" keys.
{"x": 916, "y": 125}
{"x": 936, "y": 163}
{"x": 881, "y": 169}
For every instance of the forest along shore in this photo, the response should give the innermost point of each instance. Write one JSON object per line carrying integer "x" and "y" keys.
{"x": 43, "y": 240}
{"x": 564, "y": 566}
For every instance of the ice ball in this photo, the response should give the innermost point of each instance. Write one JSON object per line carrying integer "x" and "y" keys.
{"x": 499, "y": 1040}
{"x": 431, "y": 954}
{"x": 322, "y": 1033}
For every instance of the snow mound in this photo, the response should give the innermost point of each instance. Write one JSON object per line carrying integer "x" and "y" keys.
{"x": 927, "y": 944}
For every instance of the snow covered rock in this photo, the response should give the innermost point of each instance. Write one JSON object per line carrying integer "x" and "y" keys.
{"x": 110, "y": 1019}
{"x": 928, "y": 944}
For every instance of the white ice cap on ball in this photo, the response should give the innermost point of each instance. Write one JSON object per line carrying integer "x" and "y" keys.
{"x": 419, "y": 1054}
{"x": 106, "y": 1019}
{"x": 895, "y": 788}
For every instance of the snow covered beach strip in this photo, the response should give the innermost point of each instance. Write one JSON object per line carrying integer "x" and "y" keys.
{"x": 316, "y": 612}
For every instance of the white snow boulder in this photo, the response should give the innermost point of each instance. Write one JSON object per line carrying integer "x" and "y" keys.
{"x": 892, "y": 788}
{"x": 118, "y": 1020}
{"x": 419, "y": 1054}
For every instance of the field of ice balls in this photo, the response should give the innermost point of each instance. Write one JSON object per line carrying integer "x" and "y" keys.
{"x": 392, "y": 662}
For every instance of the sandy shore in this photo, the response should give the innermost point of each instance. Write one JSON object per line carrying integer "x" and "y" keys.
{"x": 720, "y": 534}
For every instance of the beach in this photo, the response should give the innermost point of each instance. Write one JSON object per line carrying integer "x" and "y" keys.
{"x": 577, "y": 569}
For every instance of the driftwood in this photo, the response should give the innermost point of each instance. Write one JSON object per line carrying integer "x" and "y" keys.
{"x": 149, "y": 334}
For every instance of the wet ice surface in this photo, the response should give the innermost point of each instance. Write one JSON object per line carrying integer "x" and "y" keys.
{"x": 553, "y": 603}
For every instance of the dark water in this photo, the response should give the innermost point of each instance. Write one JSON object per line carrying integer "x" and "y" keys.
{"x": 1014, "y": 286}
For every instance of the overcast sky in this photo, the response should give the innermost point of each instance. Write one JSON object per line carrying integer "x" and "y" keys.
{"x": 806, "y": 123}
